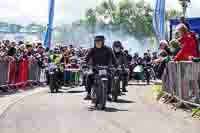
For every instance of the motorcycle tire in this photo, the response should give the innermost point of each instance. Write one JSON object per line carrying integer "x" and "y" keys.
{"x": 57, "y": 90}
{"x": 115, "y": 90}
{"x": 94, "y": 96}
{"x": 51, "y": 85}
{"x": 148, "y": 78}
{"x": 102, "y": 96}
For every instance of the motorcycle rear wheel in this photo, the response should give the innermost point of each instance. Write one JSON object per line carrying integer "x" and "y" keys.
{"x": 51, "y": 85}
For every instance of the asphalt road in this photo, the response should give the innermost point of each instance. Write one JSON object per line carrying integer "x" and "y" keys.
{"x": 67, "y": 112}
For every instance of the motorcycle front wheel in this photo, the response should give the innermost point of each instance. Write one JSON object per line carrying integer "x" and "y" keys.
{"x": 51, "y": 84}
{"x": 102, "y": 95}
{"x": 115, "y": 90}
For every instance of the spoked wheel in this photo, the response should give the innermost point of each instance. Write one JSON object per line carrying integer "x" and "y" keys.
{"x": 94, "y": 96}
{"x": 115, "y": 90}
{"x": 102, "y": 96}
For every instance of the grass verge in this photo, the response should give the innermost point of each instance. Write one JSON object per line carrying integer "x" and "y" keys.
{"x": 157, "y": 91}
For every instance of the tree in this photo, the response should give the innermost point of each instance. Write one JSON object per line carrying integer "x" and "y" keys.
{"x": 90, "y": 20}
{"x": 172, "y": 14}
{"x": 128, "y": 16}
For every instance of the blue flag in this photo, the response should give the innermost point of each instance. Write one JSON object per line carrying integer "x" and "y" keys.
{"x": 48, "y": 36}
{"x": 159, "y": 19}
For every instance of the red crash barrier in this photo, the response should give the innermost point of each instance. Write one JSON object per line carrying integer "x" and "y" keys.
{"x": 23, "y": 73}
{"x": 17, "y": 74}
{"x": 12, "y": 71}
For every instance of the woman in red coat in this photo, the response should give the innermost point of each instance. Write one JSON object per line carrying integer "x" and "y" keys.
{"x": 189, "y": 45}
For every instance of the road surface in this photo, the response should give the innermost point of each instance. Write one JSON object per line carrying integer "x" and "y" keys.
{"x": 67, "y": 112}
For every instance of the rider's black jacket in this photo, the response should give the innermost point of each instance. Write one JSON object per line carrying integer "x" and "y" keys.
{"x": 129, "y": 58}
{"x": 120, "y": 58}
{"x": 100, "y": 56}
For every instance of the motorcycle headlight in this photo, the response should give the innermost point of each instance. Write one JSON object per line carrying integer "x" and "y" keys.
{"x": 51, "y": 73}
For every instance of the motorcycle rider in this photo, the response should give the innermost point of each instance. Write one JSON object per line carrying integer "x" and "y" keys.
{"x": 55, "y": 58}
{"x": 121, "y": 59}
{"x": 146, "y": 58}
{"x": 99, "y": 55}
{"x": 128, "y": 56}
{"x": 147, "y": 63}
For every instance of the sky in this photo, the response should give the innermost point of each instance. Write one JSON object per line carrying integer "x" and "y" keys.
{"x": 66, "y": 11}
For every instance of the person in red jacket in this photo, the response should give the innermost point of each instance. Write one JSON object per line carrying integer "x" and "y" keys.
{"x": 188, "y": 43}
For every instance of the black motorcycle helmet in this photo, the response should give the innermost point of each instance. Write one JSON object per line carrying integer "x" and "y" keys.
{"x": 99, "y": 38}
{"x": 154, "y": 53}
{"x": 145, "y": 54}
{"x": 117, "y": 46}
{"x": 136, "y": 55}
{"x": 56, "y": 50}
{"x": 126, "y": 51}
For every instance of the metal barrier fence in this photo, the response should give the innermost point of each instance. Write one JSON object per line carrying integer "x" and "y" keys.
{"x": 182, "y": 79}
{"x": 20, "y": 74}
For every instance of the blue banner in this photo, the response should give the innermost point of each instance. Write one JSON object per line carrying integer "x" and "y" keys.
{"x": 159, "y": 19}
{"x": 48, "y": 36}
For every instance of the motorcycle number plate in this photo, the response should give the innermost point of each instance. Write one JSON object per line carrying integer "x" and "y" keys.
{"x": 102, "y": 72}
{"x": 51, "y": 73}
{"x": 104, "y": 79}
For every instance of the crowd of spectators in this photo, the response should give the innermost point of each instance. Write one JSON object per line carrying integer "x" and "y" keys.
{"x": 15, "y": 54}
{"x": 184, "y": 47}
{"x": 11, "y": 50}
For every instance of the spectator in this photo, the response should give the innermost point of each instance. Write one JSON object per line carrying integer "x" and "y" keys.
{"x": 188, "y": 44}
{"x": 164, "y": 51}
{"x": 3, "y": 51}
{"x": 183, "y": 21}
{"x": 12, "y": 52}
{"x": 162, "y": 58}
{"x": 174, "y": 46}
{"x": 129, "y": 57}
{"x": 29, "y": 49}
{"x": 20, "y": 43}
{"x": 7, "y": 43}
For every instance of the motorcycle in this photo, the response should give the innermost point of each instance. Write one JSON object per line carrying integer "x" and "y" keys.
{"x": 99, "y": 89}
{"x": 149, "y": 72}
{"x": 117, "y": 83}
{"x": 52, "y": 73}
